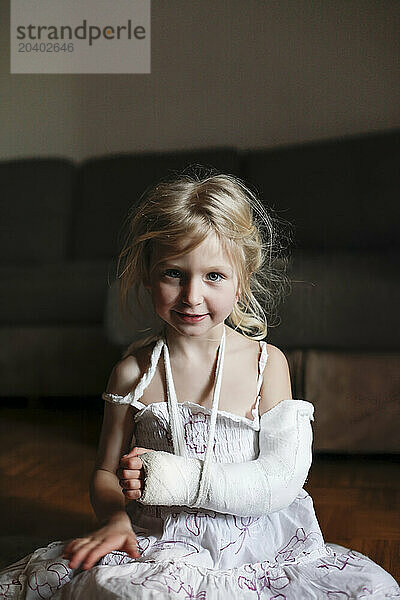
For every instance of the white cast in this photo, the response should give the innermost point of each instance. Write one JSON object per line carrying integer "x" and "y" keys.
{"x": 253, "y": 488}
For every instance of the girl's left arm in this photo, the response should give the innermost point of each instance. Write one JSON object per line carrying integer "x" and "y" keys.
{"x": 267, "y": 484}
{"x": 254, "y": 488}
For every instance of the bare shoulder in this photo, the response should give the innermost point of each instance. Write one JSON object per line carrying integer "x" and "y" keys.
{"x": 240, "y": 343}
{"x": 276, "y": 357}
{"x": 128, "y": 371}
{"x": 276, "y": 384}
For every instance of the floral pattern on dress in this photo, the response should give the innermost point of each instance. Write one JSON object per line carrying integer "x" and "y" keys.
{"x": 48, "y": 578}
{"x": 196, "y": 429}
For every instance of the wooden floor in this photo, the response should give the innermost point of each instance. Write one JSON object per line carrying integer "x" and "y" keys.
{"x": 46, "y": 457}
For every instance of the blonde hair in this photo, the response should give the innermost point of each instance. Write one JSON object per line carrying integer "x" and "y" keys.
{"x": 185, "y": 210}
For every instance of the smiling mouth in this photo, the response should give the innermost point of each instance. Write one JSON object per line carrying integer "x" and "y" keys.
{"x": 190, "y": 314}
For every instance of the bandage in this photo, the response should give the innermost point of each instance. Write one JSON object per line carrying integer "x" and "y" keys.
{"x": 253, "y": 488}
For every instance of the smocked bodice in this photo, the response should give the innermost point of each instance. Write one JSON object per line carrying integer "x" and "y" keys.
{"x": 236, "y": 437}
{"x": 236, "y": 440}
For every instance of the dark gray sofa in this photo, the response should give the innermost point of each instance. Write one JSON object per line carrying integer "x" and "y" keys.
{"x": 59, "y": 239}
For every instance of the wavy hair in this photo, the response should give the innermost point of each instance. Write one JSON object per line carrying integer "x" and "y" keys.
{"x": 183, "y": 211}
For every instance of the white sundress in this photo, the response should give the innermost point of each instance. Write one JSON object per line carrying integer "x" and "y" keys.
{"x": 192, "y": 553}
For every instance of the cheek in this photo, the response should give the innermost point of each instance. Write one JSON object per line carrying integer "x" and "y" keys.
{"x": 228, "y": 298}
{"x": 164, "y": 294}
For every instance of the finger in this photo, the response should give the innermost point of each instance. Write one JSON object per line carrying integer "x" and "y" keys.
{"x": 139, "y": 451}
{"x": 130, "y": 484}
{"x": 126, "y": 481}
{"x": 132, "y": 494}
{"x": 82, "y": 553}
{"x": 136, "y": 450}
{"x": 132, "y": 548}
{"x": 73, "y": 545}
{"x": 96, "y": 553}
{"x": 133, "y": 463}
{"x": 131, "y": 452}
{"x": 131, "y": 474}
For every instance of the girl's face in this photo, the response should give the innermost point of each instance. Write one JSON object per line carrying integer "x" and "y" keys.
{"x": 196, "y": 292}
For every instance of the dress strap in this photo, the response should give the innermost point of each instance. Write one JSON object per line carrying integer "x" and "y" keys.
{"x": 133, "y": 396}
{"x": 261, "y": 365}
{"x": 177, "y": 431}
{"x": 205, "y": 473}
{"x": 176, "y": 424}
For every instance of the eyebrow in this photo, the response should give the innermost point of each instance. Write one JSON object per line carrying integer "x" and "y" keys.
{"x": 211, "y": 269}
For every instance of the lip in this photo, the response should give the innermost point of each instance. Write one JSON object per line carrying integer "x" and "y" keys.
{"x": 190, "y": 317}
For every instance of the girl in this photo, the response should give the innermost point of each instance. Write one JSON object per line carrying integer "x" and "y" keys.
{"x": 200, "y": 433}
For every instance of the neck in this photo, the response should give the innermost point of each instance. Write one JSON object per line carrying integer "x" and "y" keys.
{"x": 193, "y": 347}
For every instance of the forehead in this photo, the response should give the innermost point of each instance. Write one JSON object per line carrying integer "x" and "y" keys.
{"x": 210, "y": 250}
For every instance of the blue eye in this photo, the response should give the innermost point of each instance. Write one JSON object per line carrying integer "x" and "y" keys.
{"x": 214, "y": 276}
{"x": 174, "y": 273}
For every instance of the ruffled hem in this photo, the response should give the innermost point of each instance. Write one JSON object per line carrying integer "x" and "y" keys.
{"x": 329, "y": 571}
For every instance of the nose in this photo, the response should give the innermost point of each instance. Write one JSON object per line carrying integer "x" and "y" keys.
{"x": 192, "y": 292}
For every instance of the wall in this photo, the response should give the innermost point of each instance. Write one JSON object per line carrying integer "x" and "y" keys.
{"x": 224, "y": 72}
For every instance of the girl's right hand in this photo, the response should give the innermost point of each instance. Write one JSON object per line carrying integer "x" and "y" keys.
{"x": 131, "y": 473}
{"x": 117, "y": 534}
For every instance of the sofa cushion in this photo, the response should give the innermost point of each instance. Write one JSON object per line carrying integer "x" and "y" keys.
{"x": 341, "y": 300}
{"x": 109, "y": 186}
{"x": 338, "y": 194}
{"x": 356, "y": 400}
{"x": 53, "y": 360}
{"x": 141, "y": 321}
{"x": 72, "y": 292}
{"x": 35, "y": 210}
